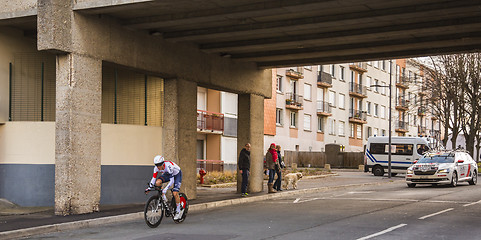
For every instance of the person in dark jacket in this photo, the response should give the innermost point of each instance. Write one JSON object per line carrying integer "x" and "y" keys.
{"x": 277, "y": 183}
{"x": 244, "y": 164}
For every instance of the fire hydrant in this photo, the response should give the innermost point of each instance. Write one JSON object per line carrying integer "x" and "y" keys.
{"x": 202, "y": 173}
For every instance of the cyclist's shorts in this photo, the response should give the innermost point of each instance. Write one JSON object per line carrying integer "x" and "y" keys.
{"x": 177, "y": 180}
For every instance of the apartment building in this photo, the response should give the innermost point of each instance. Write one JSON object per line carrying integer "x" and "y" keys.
{"x": 347, "y": 103}
{"x": 216, "y": 130}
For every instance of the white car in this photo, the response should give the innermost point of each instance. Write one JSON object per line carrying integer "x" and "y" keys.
{"x": 443, "y": 168}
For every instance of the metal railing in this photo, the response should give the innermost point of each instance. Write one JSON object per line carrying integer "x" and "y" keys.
{"x": 323, "y": 106}
{"x": 357, "y": 114}
{"x": 210, "y": 165}
{"x": 421, "y": 130}
{"x": 357, "y": 88}
{"x": 210, "y": 121}
{"x": 294, "y": 99}
{"x": 324, "y": 78}
{"x": 401, "y": 101}
{"x": 422, "y": 111}
{"x": 401, "y": 125}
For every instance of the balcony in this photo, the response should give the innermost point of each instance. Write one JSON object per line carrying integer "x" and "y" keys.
{"x": 210, "y": 122}
{"x": 323, "y": 109}
{"x": 423, "y": 91}
{"x": 421, "y": 131}
{"x": 401, "y": 126}
{"x": 402, "y": 104}
{"x": 360, "y": 66}
{"x": 357, "y": 90}
{"x": 357, "y": 116}
{"x": 435, "y": 133}
{"x": 294, "y": 101}
{"x": 402, "y": 82}
{"x": 324, "y": 80}
{"x": 422, "y": 111}
{"x": 294, "y": 74}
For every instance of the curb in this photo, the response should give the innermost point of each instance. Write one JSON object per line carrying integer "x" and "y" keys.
{"x": 20, "y": 233}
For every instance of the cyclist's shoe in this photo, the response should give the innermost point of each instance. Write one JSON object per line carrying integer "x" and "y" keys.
{"x": 244, "y": 194}
{"x": 179, "y": 214}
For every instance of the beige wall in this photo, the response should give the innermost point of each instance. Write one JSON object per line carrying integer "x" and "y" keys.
{"x": 130, "y": 144}
{"x": 213, "y": 101}
{"x": 27, "y": 143}
{"x": 34, "y": 143}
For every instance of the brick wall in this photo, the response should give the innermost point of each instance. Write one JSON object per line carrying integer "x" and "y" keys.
{"x": 270, "y": 109}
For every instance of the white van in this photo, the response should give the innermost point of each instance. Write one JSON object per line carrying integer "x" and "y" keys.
{"x": 404, "y": 151}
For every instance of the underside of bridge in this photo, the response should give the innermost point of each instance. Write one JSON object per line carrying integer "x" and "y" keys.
{"x": 306, "y": 32}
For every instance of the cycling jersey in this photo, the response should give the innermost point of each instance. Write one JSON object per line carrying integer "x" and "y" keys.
{"x": 171, "y": 172}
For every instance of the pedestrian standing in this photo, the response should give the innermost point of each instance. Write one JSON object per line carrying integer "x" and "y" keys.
{"x": 244, "y": 164}
{"x": 279, "y": 167}
{"x": 271, "y": 162}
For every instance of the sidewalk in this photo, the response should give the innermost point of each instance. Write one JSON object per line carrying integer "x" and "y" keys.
{"x": 16, "y": 222}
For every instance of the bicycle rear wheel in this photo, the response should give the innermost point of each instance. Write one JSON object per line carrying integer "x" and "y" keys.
{"x": 184, "y": 202}
{"x": 153, "y": 212}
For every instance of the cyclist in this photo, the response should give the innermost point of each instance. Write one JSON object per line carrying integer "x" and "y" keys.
{"x": 169, "y": 172}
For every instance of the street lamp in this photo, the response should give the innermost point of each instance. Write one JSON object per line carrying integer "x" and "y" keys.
{"x": 390, "y": 118}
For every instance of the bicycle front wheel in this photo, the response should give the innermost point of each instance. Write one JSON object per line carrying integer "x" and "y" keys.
{"x": 153, "y": 212}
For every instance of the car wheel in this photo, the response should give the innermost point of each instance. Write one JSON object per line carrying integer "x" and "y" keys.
{"x": 411, "y": 185}
{"x": 454, "y": 179}
{"x": 393, "y": 174}
{"x": 474, "y": 179}
{"x": 378, "y": 171}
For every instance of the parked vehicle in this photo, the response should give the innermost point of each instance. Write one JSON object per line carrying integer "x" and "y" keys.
{"x": 404, "y": 151}
{"x": 448, "y": 167}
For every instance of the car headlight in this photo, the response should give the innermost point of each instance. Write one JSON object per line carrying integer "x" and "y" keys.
{"x": 443, "y": 170}
{"x": 410, "y": 171}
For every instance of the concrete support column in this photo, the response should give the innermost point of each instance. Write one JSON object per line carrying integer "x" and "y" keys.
{"x": 250, "y": 128}
{"x": 180, "y": 130}
{"x": 77, "y": 134}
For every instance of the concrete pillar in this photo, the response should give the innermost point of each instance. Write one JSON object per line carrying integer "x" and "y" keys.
{"x": 250, "y": 128}
{"x": 180, "y": 130}
{"x": 77, "y": 134}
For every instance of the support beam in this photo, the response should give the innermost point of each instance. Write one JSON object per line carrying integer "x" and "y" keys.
{"x": 78, "y": 134}
{"x": 180, "y": 132}
{"x": 250, "y": 129}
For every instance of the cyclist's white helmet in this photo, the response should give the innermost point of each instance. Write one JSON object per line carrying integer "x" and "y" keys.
{"x": 158, "y": 160}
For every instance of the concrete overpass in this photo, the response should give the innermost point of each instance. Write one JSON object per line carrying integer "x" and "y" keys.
{"x": 219, "y": 44}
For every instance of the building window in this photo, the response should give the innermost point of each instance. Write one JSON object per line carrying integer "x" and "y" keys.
{"x": 368, "y": 82}
{"x": 383, "y": 65}
{"x": 376, "y": 106}
{"x": 376, "y": 64}
{"x": 369, "y": 132}
{"x": 341, "y": 128}
{"x": 383, "y": 89}
{"x": 279, "y": 116}
{"x": 359, "y": 131}
{"x": 351, "y": 130}
{"x": 332, "y": 98}
{"x": 332, "y": 126}
{"x": 342, "y": 100}
{"x": 384, "y": 132}
{"x": 342, "y": 73}
{"x": 376, "y": 131}
{"x": 307, "y": 122}
{"x": 333, "y": 70}
{"x": 383, "y": 112}
{"x": 369, "y": 108}
{"x": 307, "y": 91}
{"x": 353, "y": 78}
{"x": 293, "y": 120}
{"x": 308, "y": 68}
{"x": 320, "y": 124}
{"x": 279, "y": 83}
{"x": 376, "y": 82}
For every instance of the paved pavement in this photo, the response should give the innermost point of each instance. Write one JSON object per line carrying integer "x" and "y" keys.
{"x": 17, "y": 222}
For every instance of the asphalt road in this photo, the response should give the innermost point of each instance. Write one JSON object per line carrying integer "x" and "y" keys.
{"x": 390, "y": 211}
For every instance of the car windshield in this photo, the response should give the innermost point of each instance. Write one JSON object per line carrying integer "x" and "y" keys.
{"x": 437, "y": 159}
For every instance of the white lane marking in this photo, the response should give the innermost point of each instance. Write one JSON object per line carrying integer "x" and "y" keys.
{"x": 383, "y": 232}
{"x": 434, "y": 214}
{"x": 469, "y": 204}
{"x": 297, "y": 200}
{"x": 360, "y": 192}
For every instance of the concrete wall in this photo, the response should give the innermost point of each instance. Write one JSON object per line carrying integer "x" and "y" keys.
{"x": 15, "y": 8}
